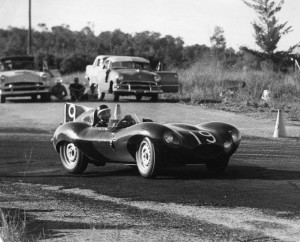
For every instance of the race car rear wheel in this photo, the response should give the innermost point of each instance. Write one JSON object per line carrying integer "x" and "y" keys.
{"x": 218, "y": 166}
{"x": 72, "y": 158}
{"x": 147, "y": 159}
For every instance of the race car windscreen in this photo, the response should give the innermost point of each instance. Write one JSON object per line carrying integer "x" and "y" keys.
{"x": 128, "y": 120}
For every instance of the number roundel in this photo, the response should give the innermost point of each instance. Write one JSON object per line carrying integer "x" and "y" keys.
{"x": 72, "y": 111}
{"x": 209, "y": 137}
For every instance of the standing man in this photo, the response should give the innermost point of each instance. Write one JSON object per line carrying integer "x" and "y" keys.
{"x": 58, "y": 92}
{"x": 76, "y": 90}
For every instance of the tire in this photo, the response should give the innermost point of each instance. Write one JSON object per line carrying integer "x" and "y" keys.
{"x": 218, "y": 166}
{"x": 154, "y": 98}
{"x": 34, "y": 98}
{"x": 138, "y": 97}
{"x": 73, "y": 160}
{"x": 102, "y": 96}
{"x": 3, "y": 99}
{"x": 116, "y": 97}
{"x": 45, "y": 97}
{"x": 147, "y": 159}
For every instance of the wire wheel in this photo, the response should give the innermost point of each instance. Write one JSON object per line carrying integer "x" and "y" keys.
{"x": 147, "y": 159}
{"x": 72, "y": 158}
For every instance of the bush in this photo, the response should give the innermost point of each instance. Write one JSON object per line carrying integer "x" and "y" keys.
{"x": 208, "y": 80}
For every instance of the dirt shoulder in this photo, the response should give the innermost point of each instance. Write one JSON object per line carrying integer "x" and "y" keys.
{"x": 55, "y": 213}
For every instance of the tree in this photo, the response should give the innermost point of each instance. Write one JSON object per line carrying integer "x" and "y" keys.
{"x": 217, "y": 40}
{"x": 268, "y": 30}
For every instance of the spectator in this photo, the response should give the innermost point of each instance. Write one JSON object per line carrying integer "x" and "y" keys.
{"x": 58, "y": 92}
{"x": 91, "y": 94}
{"x": 76, "y": 90}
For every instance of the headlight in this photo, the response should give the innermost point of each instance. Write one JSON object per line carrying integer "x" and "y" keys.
{"x": 235, "y": 135}
{"x": 120, "y": 77}
{"x": 44, "y": 77}
{"x": 157, "y": 78}
{"x": 172, "y": 139}
{"x": 10, "y": 86}
{"x": 227, "y": 146}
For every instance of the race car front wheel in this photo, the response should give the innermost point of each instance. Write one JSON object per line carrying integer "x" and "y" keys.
{"x": 72, "y": 158}
{"x": 147, "y": 159}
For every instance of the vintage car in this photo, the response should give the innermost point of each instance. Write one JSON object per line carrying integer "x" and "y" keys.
{"x": 147, "y": 144}
{"x": 19, "y": 76}
{"x": 127, "y": 75}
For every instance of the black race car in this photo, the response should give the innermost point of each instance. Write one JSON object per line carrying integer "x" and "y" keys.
{"x": 147, "y": 144}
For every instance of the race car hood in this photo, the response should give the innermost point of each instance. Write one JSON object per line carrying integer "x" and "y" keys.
{"x": 136, "y": 75}
{"x": 193, "y": 136}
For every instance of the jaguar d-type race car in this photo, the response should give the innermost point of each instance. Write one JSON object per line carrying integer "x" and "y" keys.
{"x": 147, "y": 144}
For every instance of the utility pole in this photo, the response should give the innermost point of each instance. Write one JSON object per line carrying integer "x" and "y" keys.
{"x": 29, "y": 50}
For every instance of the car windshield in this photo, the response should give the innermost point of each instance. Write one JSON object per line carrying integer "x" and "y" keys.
{"x": 131, "y": 65}
{"x": 17, "y": 65}
{"x": 128, "y": 120}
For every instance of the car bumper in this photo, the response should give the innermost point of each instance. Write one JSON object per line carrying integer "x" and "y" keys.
{"x": 127, "y": 89}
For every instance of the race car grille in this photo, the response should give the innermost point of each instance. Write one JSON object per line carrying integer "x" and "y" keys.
{"x": 209, "y": 151}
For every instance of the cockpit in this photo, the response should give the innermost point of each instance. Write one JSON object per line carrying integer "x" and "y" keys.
{"x": 116, "y": 120}
{"x": 126, "y": 121}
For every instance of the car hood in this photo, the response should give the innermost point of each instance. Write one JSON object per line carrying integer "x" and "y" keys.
{"x": 22, "y": 75}
{"x": 136, "y": 75}
{"x": 20, "y": 72}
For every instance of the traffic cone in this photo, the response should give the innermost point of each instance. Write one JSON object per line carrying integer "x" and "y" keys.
{"x": 279, "y": 126}
{"x": 117, "y": 114}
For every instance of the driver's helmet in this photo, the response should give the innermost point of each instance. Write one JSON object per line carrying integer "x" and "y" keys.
{"x": 104, "y": 113}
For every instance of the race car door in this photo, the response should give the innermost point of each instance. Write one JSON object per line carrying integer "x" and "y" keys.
{"x": 98, "y": 143}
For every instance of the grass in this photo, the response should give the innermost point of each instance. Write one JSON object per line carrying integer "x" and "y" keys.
{"x": 207, "y": 80}
{"x": 12, "y": 227}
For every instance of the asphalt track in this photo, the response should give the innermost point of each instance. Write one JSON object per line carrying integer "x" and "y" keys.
{"x": 264, "y": 174}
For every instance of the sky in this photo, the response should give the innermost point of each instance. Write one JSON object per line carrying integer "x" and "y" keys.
{"x": 192, "y": 20}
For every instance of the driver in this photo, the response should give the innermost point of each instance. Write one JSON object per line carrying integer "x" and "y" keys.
{"x": 103, "y": 115}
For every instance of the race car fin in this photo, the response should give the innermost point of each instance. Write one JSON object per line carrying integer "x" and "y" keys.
{"x": 72, "y": 111}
